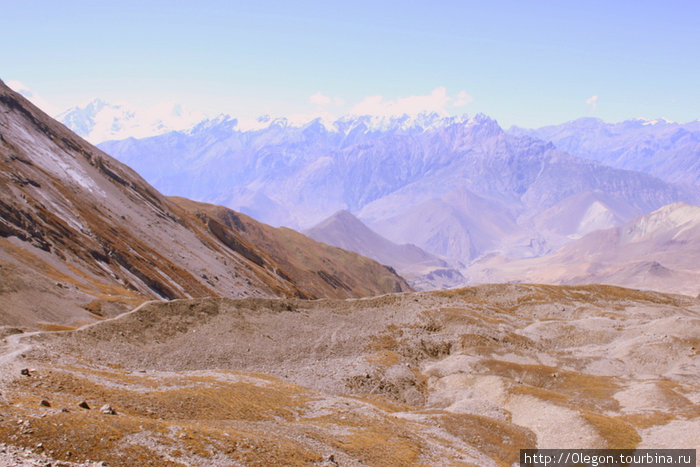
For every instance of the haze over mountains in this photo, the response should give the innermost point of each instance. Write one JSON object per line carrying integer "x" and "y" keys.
{"x": 422, "y": 270}
{"x": 458, "y": 188}
{"x": 99, "y": 121}
{"x": 666, "y": 149}
{"x": 658, "y": 250}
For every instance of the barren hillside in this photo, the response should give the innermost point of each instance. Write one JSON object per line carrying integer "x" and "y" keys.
{"x": 462, "y": 377}
{"x": 319, "y": 269}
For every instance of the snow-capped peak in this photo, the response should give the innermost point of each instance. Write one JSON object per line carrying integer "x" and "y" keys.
{"x": 98, "y": 120}
{"x": 649, "y": 121}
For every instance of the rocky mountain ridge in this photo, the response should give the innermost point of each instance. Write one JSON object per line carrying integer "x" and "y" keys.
{"x": 421, "y": 269}
{"x": 666, "y": 149}
{"x": 83, "y": 235}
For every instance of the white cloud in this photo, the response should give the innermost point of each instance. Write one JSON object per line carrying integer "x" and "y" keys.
{"x": 320, "y": 99}
{"x": 436, "y": 102}
{"x": 33, "y": 97}
{"x": 592, "y": 103}
{"x": 463, "y": 99}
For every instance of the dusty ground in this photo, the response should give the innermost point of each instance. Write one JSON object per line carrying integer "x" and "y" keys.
{"x": 456, "y": 377}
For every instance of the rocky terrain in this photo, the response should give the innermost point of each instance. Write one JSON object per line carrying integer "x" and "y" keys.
{"x": 82, "y": 236}
{"x": 139, "y": 329}
{"x": 459, "y": 377}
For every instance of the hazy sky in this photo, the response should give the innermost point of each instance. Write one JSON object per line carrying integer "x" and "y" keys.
{"x": 523, "y": 62}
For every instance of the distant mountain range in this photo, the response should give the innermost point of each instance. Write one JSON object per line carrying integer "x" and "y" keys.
{"x": 455, "y": 187}
{"x": 668, "y": 150}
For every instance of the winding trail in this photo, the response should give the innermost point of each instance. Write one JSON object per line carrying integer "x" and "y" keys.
{"x": 15, "y": 345}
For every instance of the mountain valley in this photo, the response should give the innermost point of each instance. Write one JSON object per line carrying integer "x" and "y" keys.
{"x": 460, "y": 189}
{"x": 143, "y": 329}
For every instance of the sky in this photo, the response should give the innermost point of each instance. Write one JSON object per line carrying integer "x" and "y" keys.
{"x": 525, "y": 63}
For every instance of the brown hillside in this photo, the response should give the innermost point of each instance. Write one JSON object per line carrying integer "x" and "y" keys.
{"x": 321, "y": 270}
{"x": 83, "y": 236}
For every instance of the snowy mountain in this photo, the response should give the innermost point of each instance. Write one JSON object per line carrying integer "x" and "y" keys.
{"x": 99, "y": 121}
{"x": 455, "y": 187}
{"x": 663, "y": 148}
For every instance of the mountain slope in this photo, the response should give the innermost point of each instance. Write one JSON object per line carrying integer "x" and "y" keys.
{"x": 344, "y": 230}
{"x": 79, "y": 229}
{"x": 584, "y": 212}
{"x": 658, "y": 251}
{"x": 421, "y": 269}
{"x": 458, "y": 225}
{"x": 314, "y": 266}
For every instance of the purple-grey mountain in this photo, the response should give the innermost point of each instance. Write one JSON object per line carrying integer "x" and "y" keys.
{"x": 455, "y": 187}
{"x": 421, "y": 269}
{"x": 666, "y": 149}
{"x": 660, "y": 250}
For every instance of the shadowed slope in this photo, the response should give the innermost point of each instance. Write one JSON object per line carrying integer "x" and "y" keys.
{"x": 320, "y": 269}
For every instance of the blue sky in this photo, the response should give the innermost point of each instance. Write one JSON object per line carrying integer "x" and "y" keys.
{"x": 528, "y": 63}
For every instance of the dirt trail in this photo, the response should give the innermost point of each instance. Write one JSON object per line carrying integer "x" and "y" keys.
{"x": 15, "y": 345}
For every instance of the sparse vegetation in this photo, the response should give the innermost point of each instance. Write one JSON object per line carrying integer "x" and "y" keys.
{"x": 386, "y": 381}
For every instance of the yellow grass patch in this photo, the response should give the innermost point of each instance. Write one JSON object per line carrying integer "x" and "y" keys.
{"x": 647, "y": 420}
{"x": 592, "y": 392}
{"x": 51, "y": 327}
{"x": 385, "y": 358}
{"x": 499, "y": 440}
{"x": 614, "y": 430}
